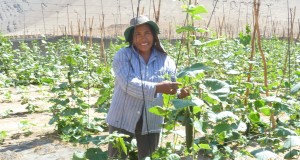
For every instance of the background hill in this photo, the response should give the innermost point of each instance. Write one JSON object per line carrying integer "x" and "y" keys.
{"x": 58, "y": 17}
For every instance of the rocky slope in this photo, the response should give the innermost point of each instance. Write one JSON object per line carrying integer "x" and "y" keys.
{"x": 57, "y": 17}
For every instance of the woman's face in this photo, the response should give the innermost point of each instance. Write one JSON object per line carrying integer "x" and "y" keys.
{"x": 143, "y": 39}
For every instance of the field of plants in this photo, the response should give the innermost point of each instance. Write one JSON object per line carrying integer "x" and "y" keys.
{"x": 244, "y": 102}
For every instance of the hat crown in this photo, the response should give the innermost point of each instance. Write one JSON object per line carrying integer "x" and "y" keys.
{"x": 139, "y": 20}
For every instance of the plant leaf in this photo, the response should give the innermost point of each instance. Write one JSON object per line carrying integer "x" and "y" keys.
{"x": 71, "y": 112}
{"x": 204, "y": 146}
{"x": 185, "y": 29}
{"x": 225, "y": 115}
{"x": 292, "y": 154}
{"x": 217, "y": 87}
{"x": 272, "y": 99}
{"x": 194, "y": 10}
{"x": 158, "y": 110}
{"x": 291, "y": 141}
{"x": 182, "y": 103}
{"x": 193, "y": 70}
{"x": 210, "y": 43}
{"x": 222, "y": 127}
{"x": 266, "y": 110}
{"x": 254, "y": 117}
{"x": 78, "y": 155}
{"x": 173, "y": 156}
{"x": 95, "y": 153}
{"x": 284, "y": 132}
{"x": 263, "y": 154}
{"x": 295, "y": 88}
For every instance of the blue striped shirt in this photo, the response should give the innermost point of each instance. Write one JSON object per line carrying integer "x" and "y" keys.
{"x": 133, "y": 77}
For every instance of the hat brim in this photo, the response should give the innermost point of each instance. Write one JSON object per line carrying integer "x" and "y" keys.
{"x": 152, "y": 24}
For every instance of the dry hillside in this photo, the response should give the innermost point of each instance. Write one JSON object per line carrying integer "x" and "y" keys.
{"x": 57, "y": 17}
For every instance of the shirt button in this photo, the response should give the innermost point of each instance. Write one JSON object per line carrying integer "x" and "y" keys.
{"x": 138, "y": 112}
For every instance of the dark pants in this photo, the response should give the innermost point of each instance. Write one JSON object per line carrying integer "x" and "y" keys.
{"x": 146, "y": 144}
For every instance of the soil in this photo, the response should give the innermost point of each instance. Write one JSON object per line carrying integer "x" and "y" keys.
{"x": 40, "y": 141}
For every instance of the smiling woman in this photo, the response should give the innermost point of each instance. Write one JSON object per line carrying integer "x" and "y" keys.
{"x": 138, "y": 87}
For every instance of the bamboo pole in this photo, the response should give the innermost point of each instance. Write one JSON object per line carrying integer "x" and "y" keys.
{"x": 256, "y": 31}
{"x": 102, "y": 47}
{"x": 79, "y": 30}
{"x": 157, "y": 13}
{"x": 91, "y": 30}
{"x": 298, "y": 30}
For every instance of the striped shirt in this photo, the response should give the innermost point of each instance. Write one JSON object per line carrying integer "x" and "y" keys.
{"x": 135, "y": 85}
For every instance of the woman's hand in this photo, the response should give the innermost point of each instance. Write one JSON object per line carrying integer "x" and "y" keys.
{"x": 167, "y": 87}
{"x": 184, "y": 92}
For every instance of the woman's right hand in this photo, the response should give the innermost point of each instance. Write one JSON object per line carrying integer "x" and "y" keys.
{"x": 167, "y": 87}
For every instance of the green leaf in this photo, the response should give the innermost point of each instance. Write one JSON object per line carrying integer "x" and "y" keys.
{"x": 186, "y": 29}
{"x": 212, "y": 116}
{"x": 291, "y": 141}
{"x": 222, "y": 127}
{"x": 233, "y": 72}
{"x": 3, "y": 135}
{"x": 266, "y": 110}
{"x": 70, "y": 60}
{"x": 272, "y": 99}
{"x": 204, "y": 146}
{"x": 53, "y": 119}
{"x": 47, "y": 80}
{"x": 268, "y": 140}
{"x": 248, "y": 85}
{"x": 295, "y": 88}
{"x": 158, "y": 110}
{"x": 122, "y": 144}
{"x": 194, "y": 10}
{"x": 263, "y": 154}
{"x": 292, "y": 154}
{"x": 63, "y": 85}
{"x": 217, "y": 87}
{"x": 210, "y": 43}
{"x": 259, "y": 103}
{"x": 198, "y": 125}
{"x": 239, "y": 126}
{"x": 225, "y": 115}
{"x": 211, "y": 98}
{"x": 254, "y": 117}
{"x": 71, "y": 112}
{"x": 79, "y": 155}
{"x": 182, "y": 103}
{"x": 281, "y": 107}
{"x": 84, "y": 105}
{"x": 97, "y": 140}
{"x": 284, "y": 132}
{"x": 193, "y": 70}
{"x": 245, "y": 38}
{"x": 95, "y": 153}
{"x": 197, "y": 109}
{"x": 173, "y": 156}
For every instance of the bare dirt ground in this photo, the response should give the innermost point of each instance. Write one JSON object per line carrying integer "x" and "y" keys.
{"x": 42, "y": 143}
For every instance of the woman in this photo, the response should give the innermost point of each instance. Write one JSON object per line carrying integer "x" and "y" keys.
{"x": 143, "y": 72}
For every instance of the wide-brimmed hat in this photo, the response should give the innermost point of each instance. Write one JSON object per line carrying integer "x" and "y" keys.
{"x": 144, "y": 20}
{"x": 138, "y": 21}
